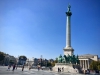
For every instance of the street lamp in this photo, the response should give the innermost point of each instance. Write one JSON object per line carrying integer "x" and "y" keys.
{"x": 41, "y": 60}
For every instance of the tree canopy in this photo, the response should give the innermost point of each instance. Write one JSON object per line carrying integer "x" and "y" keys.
{"x": 11, "y": 62}
{"x": 95, "y": 65}
{"x": 22, "y": 58}
{"x": 49, "y": 64}
{"x": 2, "y": 56}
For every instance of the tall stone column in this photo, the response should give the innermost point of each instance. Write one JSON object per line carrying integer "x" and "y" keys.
{"x": 68, "y": 49}
{"x": 68, "y": 31}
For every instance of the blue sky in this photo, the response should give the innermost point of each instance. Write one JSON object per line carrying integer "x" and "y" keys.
{"x": 38, "y": 27}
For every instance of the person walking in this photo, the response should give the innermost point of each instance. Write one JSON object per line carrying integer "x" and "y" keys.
{"x": 16, "y": 67}
{"x": 29, "y": 67}
{"x": 38, "y": 68}
{"x": 8, "y": 68}
{"x": 22, "y": 67}
{"x": 13, "y": 67}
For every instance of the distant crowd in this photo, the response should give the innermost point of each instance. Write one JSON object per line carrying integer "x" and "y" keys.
{"x": 14, "y": 66}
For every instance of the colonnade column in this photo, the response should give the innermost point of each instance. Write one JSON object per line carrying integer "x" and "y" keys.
{"x": 80, "y": 63}
{"x": 88, "y": 64}
{"x": 85, "y": 65}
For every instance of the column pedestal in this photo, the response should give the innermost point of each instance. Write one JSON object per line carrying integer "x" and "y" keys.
{"x": 69, "y": 51}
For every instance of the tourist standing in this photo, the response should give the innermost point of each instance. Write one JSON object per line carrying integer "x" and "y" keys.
{"x": 62, "y": 69}
{"x": 58, "y": 69}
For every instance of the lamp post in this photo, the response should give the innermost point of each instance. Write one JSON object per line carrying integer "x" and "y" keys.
{"x": 41, "y": 60}
{"x": 28, "y": 62}
{"x": 45, "y": 62}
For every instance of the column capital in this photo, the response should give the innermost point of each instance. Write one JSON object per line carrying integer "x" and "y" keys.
{"x": 68, "y": 13}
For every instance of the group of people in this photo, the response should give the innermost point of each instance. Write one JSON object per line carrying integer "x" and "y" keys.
{"x": 14, "y": 66}
{"x": 59, "y": 69}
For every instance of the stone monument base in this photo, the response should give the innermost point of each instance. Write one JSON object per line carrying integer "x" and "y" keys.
{"x": 70, "y": 68}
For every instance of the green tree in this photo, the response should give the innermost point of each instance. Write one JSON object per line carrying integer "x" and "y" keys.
{"x": 49, "y": 64}
{"x": 95, "y": 65}
{"x": 11, "y": 62}
{"x": 22, "y": 58}
{"x": 56, "y": 60}
{"x": 53, "y": 64}
{"x": 2, "y": 56}
{"x": 99, "y": 67}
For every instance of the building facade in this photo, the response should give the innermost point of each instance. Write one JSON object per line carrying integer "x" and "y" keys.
{"x": 86, "y": 59}
{"x": 30, "y": 61}
{"x": 9, "y": 60}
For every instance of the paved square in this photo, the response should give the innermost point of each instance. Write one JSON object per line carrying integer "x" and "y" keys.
{"x": 4, "y": 71}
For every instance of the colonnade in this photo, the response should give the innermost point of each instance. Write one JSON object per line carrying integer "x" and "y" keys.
{"x": 84, "y": 64}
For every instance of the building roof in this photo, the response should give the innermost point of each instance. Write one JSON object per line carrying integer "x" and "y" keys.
{"x": 87, "y": 55}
